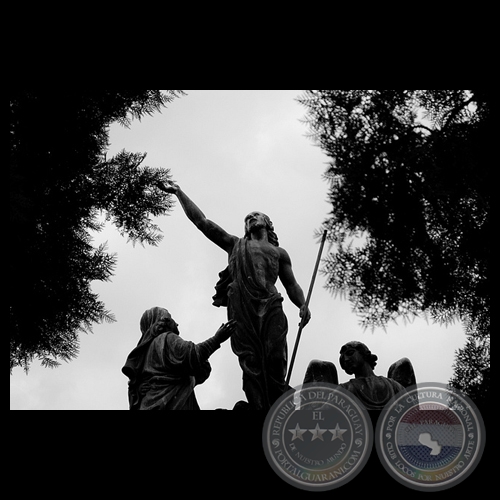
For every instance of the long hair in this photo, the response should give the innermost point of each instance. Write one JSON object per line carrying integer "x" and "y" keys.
{"x": 271, "y": 234}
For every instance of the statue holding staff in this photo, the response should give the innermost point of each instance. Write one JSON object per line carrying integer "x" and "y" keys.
{"x": 247, "y": 288}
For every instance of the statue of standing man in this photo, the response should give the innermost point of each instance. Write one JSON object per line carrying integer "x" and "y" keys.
{"x": 247, "y": 288}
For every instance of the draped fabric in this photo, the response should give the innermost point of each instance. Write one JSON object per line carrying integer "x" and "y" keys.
{"x": 374, "y": 392}
{"x": 164, "y": 369}
{"x": 260, "y": 337}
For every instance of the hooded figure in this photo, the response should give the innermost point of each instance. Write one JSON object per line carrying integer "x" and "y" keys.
{"x": 164, "y": 369}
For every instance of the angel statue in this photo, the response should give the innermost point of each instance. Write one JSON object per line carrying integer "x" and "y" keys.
{"x": 372, "y": 390}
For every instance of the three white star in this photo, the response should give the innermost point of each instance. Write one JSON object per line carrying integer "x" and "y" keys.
{"x": 317, "y": 433}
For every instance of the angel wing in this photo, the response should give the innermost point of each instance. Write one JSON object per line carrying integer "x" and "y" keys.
{"x": 402, "y": 371}
{"x": 321, "y": 371}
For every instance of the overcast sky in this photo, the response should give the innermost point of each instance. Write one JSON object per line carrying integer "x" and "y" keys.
{"x": 232, "y": 152}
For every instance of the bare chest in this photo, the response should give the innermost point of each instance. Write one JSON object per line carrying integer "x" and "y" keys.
{"x": 265, "y": 261}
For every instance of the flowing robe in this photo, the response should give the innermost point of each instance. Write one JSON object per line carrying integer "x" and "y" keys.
{"x": 164, "y": 371}
{"x": 260, "y": 337}
{"x": 374, "y": 392}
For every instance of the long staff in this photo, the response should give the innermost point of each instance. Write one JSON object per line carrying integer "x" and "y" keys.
{"x": 302, "y": 325}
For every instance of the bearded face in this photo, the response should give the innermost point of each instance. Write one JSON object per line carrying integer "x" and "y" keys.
{"x": 255, "y": 221}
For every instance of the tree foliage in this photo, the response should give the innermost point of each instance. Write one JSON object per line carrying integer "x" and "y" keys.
{"x": 472, "y": 370}
{"x": 60, "y": 183}
{"x": 409, "y": 186}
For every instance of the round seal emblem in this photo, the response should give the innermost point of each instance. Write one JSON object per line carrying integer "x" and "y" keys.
{"x": 430, "y": 437}
{"x": 318, "y": 437}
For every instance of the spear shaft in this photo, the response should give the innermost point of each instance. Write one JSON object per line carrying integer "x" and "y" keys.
{"x": 302, "y": 325}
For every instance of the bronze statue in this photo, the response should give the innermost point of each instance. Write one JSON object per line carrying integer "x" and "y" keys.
{"x": 164, "y": 369}
{"x": 356, "y": 359}
{"x": 247, "y": 288}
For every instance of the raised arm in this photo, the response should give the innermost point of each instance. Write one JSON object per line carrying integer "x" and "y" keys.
{"x": 209, "y": 228}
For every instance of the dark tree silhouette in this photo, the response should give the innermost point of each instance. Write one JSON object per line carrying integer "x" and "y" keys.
{"x": 472, "y": 371}
{"x": 60, "y": 182}
{"x": 410, "y": 192}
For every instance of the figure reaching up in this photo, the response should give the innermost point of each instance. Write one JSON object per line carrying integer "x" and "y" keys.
{"x": 247, "y": 288}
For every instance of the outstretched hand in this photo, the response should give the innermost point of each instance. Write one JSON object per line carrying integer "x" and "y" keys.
{"x": 170, "y": 187}
{"x": 225, "y": 331}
